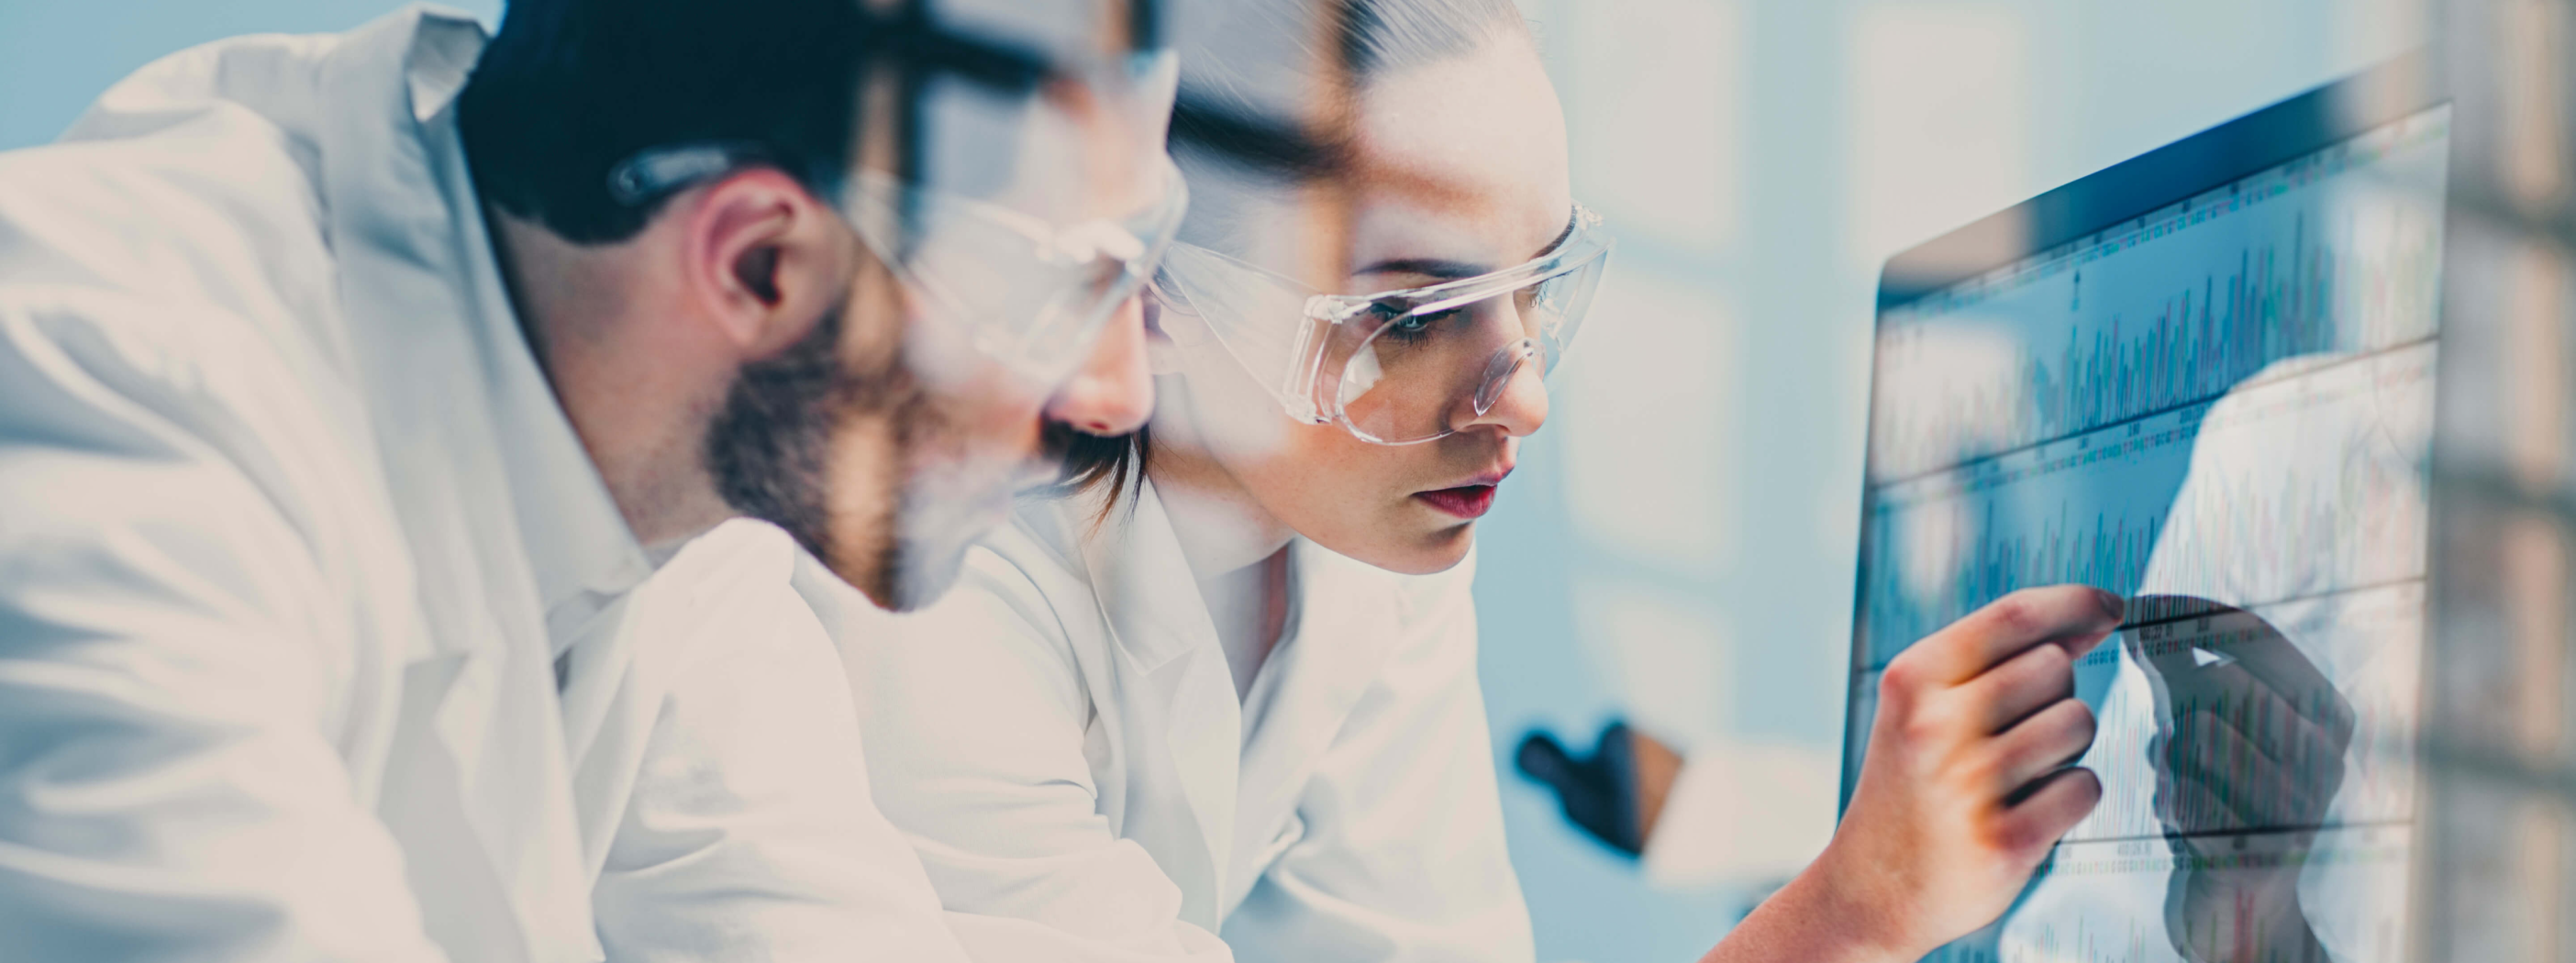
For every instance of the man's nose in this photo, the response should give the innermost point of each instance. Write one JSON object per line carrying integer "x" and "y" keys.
{"x": 1113, "y": 391}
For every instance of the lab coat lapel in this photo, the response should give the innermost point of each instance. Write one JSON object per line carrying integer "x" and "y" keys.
{"x": 406, "y": 230}
{"x": 1347, "y": 612}
{"x": 1151, "y": 605}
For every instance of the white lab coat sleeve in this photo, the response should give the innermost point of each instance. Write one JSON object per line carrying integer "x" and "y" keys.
{"x": 1402, "y": 856}
{"x": 975, "y": 714}
{"x": 750, "y": 834}
{"x": 175, "y": 675}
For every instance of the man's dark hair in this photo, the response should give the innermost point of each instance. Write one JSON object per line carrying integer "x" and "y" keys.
{"x": 568, "y": 89}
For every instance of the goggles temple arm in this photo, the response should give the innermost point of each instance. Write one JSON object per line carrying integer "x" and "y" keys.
{"x": 1304, "y": 381}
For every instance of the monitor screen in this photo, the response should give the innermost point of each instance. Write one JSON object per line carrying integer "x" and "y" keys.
{"x": 2220, "y": 409}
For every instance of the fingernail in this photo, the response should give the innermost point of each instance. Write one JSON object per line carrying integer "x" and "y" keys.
{"x": 2112, "y": 605}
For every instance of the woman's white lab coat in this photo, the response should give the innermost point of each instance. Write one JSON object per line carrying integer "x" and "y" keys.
{"x": 1063, "y": 742}
{"x": 320, "y": 638}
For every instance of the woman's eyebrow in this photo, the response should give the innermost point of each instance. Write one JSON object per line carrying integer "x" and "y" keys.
{"x": 1430, "y": 267}
{"x": 1448, "y": 270}
{"x": 1561, "y": 237}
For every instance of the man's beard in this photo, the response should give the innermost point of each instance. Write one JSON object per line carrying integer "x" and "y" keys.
{"x": 771, "y": 451}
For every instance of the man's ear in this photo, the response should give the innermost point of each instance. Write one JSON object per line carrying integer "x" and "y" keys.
{"x": 765, "y": 259}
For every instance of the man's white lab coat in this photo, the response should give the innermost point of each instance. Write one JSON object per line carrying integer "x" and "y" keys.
{"x": 1063, "y": 742}
{"x": 320, "y": 638}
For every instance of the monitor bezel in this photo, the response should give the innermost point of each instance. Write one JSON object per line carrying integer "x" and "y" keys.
{"x": 2178, "y": 171}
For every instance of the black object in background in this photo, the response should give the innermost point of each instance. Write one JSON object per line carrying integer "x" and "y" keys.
{"x": 1598, "y": 791}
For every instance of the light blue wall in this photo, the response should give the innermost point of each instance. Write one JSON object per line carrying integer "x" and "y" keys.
{"x": 1738, "y": 385}
{"x": 55, "y": 57}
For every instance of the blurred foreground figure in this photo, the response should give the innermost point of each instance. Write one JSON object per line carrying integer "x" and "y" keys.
{"x": 354, "y": 388}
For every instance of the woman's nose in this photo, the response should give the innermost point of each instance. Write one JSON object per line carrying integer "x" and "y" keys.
{"x": 1518, "y": 405}
{"x": 1113, "y": 391}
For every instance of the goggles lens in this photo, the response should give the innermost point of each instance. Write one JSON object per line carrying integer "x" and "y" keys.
{"x": 1004, "y": 286}
{"x": 995, "y": 242}
{"x": 1045, "y": 152}
{"x": 1395, "y": 368}
{"x": 1428, "y": 368}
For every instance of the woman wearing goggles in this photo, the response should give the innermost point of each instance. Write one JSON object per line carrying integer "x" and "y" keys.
{"x": 1394, "y": 367}
{"x": 1226, "y": 688}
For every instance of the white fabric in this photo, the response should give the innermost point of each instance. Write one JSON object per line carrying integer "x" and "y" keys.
{"x": 1062, "y": 742}
{"x": 1229, "y": 561}
{"x": 293, "y": 534}
{"x": 1742, "y": 813}
{"x": 1234, "y": 602}
{"x": 726, "y": 808}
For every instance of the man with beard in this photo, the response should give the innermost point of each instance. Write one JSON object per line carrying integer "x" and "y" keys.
{"x": 363, "y": 402}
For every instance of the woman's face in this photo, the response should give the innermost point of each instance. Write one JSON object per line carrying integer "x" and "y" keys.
{"x": 1463, "y": 172}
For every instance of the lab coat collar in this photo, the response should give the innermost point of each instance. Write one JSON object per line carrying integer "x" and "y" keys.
{"x": 1349, "y": 618}
{"x": 1243, "y": 785}
{"x": 580, "y": 551}
{"x": 583, "y": 553}
{"x": 1139, "y": 576}
{"x": 449, "y": 382}
{"x": 1150, "y": 603}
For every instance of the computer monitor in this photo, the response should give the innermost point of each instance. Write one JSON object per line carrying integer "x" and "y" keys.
{"x": 2203, "y": 379}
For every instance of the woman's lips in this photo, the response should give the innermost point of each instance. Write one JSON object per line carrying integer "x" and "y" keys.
{"x": 1465, "y": 501}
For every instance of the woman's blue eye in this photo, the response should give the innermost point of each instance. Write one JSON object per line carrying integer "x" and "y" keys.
{"x": 1417, "y": 327}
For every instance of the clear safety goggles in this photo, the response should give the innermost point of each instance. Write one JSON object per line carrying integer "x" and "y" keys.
{"x": 1396, "y": 367}
{"x": 1020, "y": 291}
{"x": 1001, "y": 257}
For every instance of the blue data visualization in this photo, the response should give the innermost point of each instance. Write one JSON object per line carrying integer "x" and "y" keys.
{"x": 2220, "y": 409}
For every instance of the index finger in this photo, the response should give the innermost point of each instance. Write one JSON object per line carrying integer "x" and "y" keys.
{"x": 2074, "y": 616}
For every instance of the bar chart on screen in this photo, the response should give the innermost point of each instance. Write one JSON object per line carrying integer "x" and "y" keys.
{"x": 2296, "y": 499}
{"x": 2173, "y": 902}
{"x": 2095, "y": 508}
{"x": 2248, "y": 938}
{"x": 2219, "y": 410}
{"x": 2181, "y": 764}
{"x": 2333, "y": 254}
